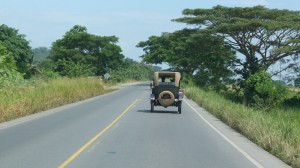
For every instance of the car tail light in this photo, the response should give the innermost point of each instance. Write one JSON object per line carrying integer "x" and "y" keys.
{"x": 180, "y": 94}
{"x": 152, "y": 97}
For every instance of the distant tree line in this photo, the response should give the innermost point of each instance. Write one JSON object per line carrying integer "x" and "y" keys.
{"x": 77, "y": 53}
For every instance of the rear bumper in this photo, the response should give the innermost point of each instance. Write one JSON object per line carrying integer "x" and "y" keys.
{"x": 176, "y": 102}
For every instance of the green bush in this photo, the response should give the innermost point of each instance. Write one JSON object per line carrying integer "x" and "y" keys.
{"x": 233, "y": 95}
{"x": 264, "y": 93}
{"x": 293, "y": 101}
{"x": 10, "y": 77}
{"x": 297, "y": 82}
{"x": 8, "y": 69}
{"x": 209, "y": 79}
{"x": 67, "y": 67}
{"x": 48, "y": 74}
{"x": 132, "y": 71}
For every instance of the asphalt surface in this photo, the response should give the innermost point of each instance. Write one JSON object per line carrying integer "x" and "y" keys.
{"x": 118, "y": 130}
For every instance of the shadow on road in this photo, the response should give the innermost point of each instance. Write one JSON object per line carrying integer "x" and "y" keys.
{"x": 158, "y": 111}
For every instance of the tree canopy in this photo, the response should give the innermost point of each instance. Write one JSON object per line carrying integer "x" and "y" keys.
{"x": 263, "y": 36}
{"x": 191, "y": 52}
{"x": 100, "y": 53}
{"x": 18, "y": 46}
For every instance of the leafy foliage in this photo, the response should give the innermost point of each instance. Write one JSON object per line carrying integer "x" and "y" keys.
{"x": 67, "y": 67}
{"x": 6, "y": 59}
{"x": 97, "y": 52}
{"x": 297, "y": 82}
{"x": 262, "y": 35}
{"x": 132, "y": 70}
{"x": 191, "y": 52}
{"x": 40, "y": 54}
{"x": 18, "y": 46}
{"x": 8, "y": 69}
{"x": 293, "y": 101}
{"x": 264, "y": 93}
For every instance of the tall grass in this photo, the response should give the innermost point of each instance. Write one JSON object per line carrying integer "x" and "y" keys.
{"x": 277, "y": 130}
{"x": 30, "y": 99}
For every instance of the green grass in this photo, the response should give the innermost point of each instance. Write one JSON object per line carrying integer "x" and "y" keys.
{"x": 277, "y": 130}
{"x": 30, "y": 99}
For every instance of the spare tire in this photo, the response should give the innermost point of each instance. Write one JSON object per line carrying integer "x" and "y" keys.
{"x": 166, "y": 98}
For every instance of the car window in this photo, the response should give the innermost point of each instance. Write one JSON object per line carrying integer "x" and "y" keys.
{"x": 166, "y": 80}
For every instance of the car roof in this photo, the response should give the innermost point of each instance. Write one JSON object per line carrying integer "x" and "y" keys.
{"x": 156, "y": 76}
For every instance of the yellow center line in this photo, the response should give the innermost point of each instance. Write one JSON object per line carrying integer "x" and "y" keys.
{"x": 79, "y": 151}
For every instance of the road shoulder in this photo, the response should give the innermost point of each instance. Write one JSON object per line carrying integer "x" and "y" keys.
{"x": 252, "y": 151}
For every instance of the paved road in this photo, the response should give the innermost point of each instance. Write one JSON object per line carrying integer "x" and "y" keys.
{"x": 117, "y": 130}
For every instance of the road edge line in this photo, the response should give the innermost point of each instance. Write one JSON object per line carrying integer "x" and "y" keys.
{"x": 245, "y": 154}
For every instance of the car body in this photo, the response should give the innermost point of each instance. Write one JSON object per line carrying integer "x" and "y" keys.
{"x": 166, "y": 90}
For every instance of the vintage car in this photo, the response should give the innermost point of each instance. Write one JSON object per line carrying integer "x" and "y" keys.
{"x": 166, "y": 90}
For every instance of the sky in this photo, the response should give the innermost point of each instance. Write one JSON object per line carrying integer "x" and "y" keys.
{"x": 132, "y": 21}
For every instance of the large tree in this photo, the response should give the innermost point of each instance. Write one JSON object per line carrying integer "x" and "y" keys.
{"x": 191, "y": 52}
{"x": 99, "y": 52}
{"x": 16, "y": 44}
{"x": 263, "y": 36}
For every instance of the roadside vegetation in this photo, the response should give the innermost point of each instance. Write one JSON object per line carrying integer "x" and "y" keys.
{"x": 276, "y": 130}
{"x": 230, "y": 58}
{"x": 42, "y": 95}
{"x": 34, "y": 80}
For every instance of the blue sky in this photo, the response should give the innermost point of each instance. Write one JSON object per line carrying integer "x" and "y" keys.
{"x": 44, "y": 21}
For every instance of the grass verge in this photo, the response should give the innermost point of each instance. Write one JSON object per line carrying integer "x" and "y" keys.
{"x": 277, "y": 131}
{"x": 19, "y": 102}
